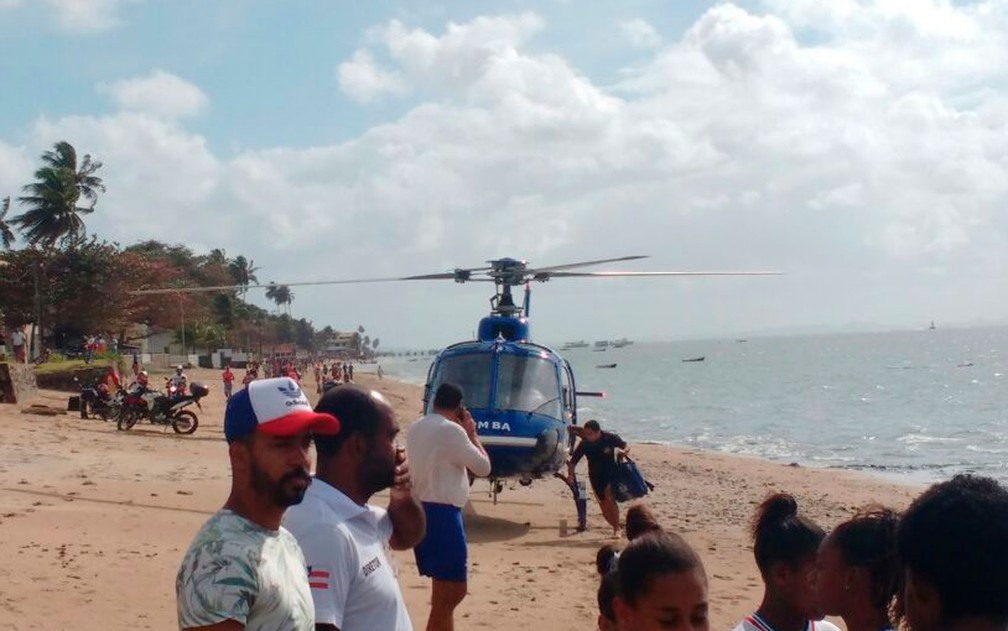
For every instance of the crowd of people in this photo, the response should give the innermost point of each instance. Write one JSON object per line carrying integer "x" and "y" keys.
{"x": 292, "y": 551}
{"x": 940, "y": 566}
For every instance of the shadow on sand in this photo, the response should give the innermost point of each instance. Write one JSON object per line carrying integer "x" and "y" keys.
{"x": 480, "y": 529}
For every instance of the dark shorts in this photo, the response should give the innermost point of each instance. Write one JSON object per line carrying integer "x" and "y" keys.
{"x": 442, "y": 554}
{"x": 600, "y": 480}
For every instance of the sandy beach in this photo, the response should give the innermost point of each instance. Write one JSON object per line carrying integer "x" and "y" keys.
{"x": 93, "y": 523}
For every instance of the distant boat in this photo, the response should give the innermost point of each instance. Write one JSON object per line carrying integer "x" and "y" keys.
{"x": 606, "y": 366}
{"x": 932, "y": 327}
{"x": 600, "y": 349}
{"x": 621, "y": 343}
{"x": 695, "y": 359}
{"x": 578, "y": 344}
{"x": 602, "y": 344}
{"x": 741, "y": 340}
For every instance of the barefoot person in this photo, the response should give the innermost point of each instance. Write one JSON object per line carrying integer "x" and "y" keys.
{"x": 443, "y": 449}
{"x": 601, "y": 449}
{"x": 343, "y": 537}
{"x": 243, "y": 570}
{"x": 953, "y": 546}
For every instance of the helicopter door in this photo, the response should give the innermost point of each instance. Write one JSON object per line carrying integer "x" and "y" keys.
{"x": 528, "y": 384}
{"x": 569, "y": 396}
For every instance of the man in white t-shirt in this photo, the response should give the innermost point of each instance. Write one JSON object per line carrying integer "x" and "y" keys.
{"x": 243, "y": 570}
{"x": 343, "y": 538}
{"x": 444, "y": 447}
{"x": 18, "y": 342}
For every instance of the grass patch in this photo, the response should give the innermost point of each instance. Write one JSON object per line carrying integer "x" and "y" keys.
{"x": 70, "y": 365}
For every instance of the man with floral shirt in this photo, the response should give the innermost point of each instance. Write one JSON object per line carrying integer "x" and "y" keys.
{"x": 243, "y": 570}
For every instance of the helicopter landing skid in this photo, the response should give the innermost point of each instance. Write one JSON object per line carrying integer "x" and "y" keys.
{"x": 496, "y": 486}
{"x": 580, "y": 495}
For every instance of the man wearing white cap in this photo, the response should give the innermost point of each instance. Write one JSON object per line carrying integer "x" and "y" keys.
{"x": 243, "y": 570}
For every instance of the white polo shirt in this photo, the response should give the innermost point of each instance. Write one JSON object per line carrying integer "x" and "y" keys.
{"x": 352, "y": 583}
{"x": 440, "y": 452}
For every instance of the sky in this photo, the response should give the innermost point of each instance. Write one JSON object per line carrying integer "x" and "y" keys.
{"x": 859, "y": 146}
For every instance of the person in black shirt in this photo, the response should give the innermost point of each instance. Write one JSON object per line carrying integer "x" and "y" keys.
{"x": 601, "y": 449}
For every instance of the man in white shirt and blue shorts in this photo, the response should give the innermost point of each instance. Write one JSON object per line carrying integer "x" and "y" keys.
{"x": 444, "y": 448}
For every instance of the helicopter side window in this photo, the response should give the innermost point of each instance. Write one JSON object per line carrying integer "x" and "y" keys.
{"x": 528, "y": 384}
{"x": 470, "y": 372}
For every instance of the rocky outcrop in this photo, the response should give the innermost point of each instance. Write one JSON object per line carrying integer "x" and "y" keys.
{"x": 17, "y": 383}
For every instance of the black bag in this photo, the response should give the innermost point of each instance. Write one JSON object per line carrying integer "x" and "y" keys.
{"x": 629, "y": 483}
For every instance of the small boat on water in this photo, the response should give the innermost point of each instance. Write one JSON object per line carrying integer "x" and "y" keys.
{"x": 606, "y": 366}
{"x": 602, "y": 344}
{"x": 695, "y": 359}
{"x": 622, "y": 343}
{"x": 578, "y": 344}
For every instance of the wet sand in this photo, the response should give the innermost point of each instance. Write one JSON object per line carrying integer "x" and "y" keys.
{"x": 93, "y": 523}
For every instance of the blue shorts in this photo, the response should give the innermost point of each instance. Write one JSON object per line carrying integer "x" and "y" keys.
{"x": 442, "y": 554}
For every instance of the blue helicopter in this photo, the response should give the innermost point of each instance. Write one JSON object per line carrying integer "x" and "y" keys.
{"x": 522, "y": 395}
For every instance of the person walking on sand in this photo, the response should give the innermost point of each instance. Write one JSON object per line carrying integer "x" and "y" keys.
{"x": 601, "y": 449}
{"x": 228, "y": 378}
{"x": 243, "y": 570}
{"x": 343, "y": 537}
{"x": 443, "y": 449}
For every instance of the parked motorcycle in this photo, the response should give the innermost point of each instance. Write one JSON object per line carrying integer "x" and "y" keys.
{"x": 163, "y": 408}
{"x": 96, "y": 401}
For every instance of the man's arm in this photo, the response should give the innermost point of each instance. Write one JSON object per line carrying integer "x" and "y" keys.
{"x": 409, "y": 524}
{"x": 472, "y": 455}
{"x": 575, "y": 458}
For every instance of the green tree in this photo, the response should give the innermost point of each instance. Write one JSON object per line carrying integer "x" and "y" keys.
{"x": 243, "y": 272}
{"x": 374, "y": 343}
{"x": 53, "y": 214}
{"x": 6, "y": 234}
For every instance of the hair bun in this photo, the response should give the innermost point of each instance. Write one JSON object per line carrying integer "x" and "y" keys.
{"x": 776, "y": 508}
{"x": 605, "y": 559}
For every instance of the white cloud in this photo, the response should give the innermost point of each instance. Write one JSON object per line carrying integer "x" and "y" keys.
{"x": 738, "y": 145}
{"x": 640, "y": 34}
{"x": 87, "y": 16}
{"x": 363, "y": 81}
{"x": 159, "y": 93}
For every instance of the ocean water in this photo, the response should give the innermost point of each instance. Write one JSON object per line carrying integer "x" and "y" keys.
{"x": 918, "y": 405}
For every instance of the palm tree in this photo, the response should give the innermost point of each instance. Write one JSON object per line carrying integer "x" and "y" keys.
{"x": 6, "y": 234}
{"x": 243, "y": 271}
{"x": 285, "y": 297}
{"x": 53, "y": 215}
{"x": 280, "y": 294}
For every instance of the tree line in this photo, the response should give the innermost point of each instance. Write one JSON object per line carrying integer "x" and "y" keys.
{"x": 70, "y": 284}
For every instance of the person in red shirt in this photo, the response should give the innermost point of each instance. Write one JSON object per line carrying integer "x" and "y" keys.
{"x": 228, "y": 378}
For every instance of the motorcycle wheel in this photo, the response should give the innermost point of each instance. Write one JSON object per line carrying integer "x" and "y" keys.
{"x": 127, "y": 420}
{"x": 185, "y": 422}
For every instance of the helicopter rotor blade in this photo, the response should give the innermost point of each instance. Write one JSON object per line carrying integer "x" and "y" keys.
{"x": 353, "y": 281}
{"x": 547, "y": 276}
{"x": 556, "y": 268}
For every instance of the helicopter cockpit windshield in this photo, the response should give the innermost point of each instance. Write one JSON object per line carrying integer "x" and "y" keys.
{"x": 473, "y": 374}
{"x": 528, "y": 384}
